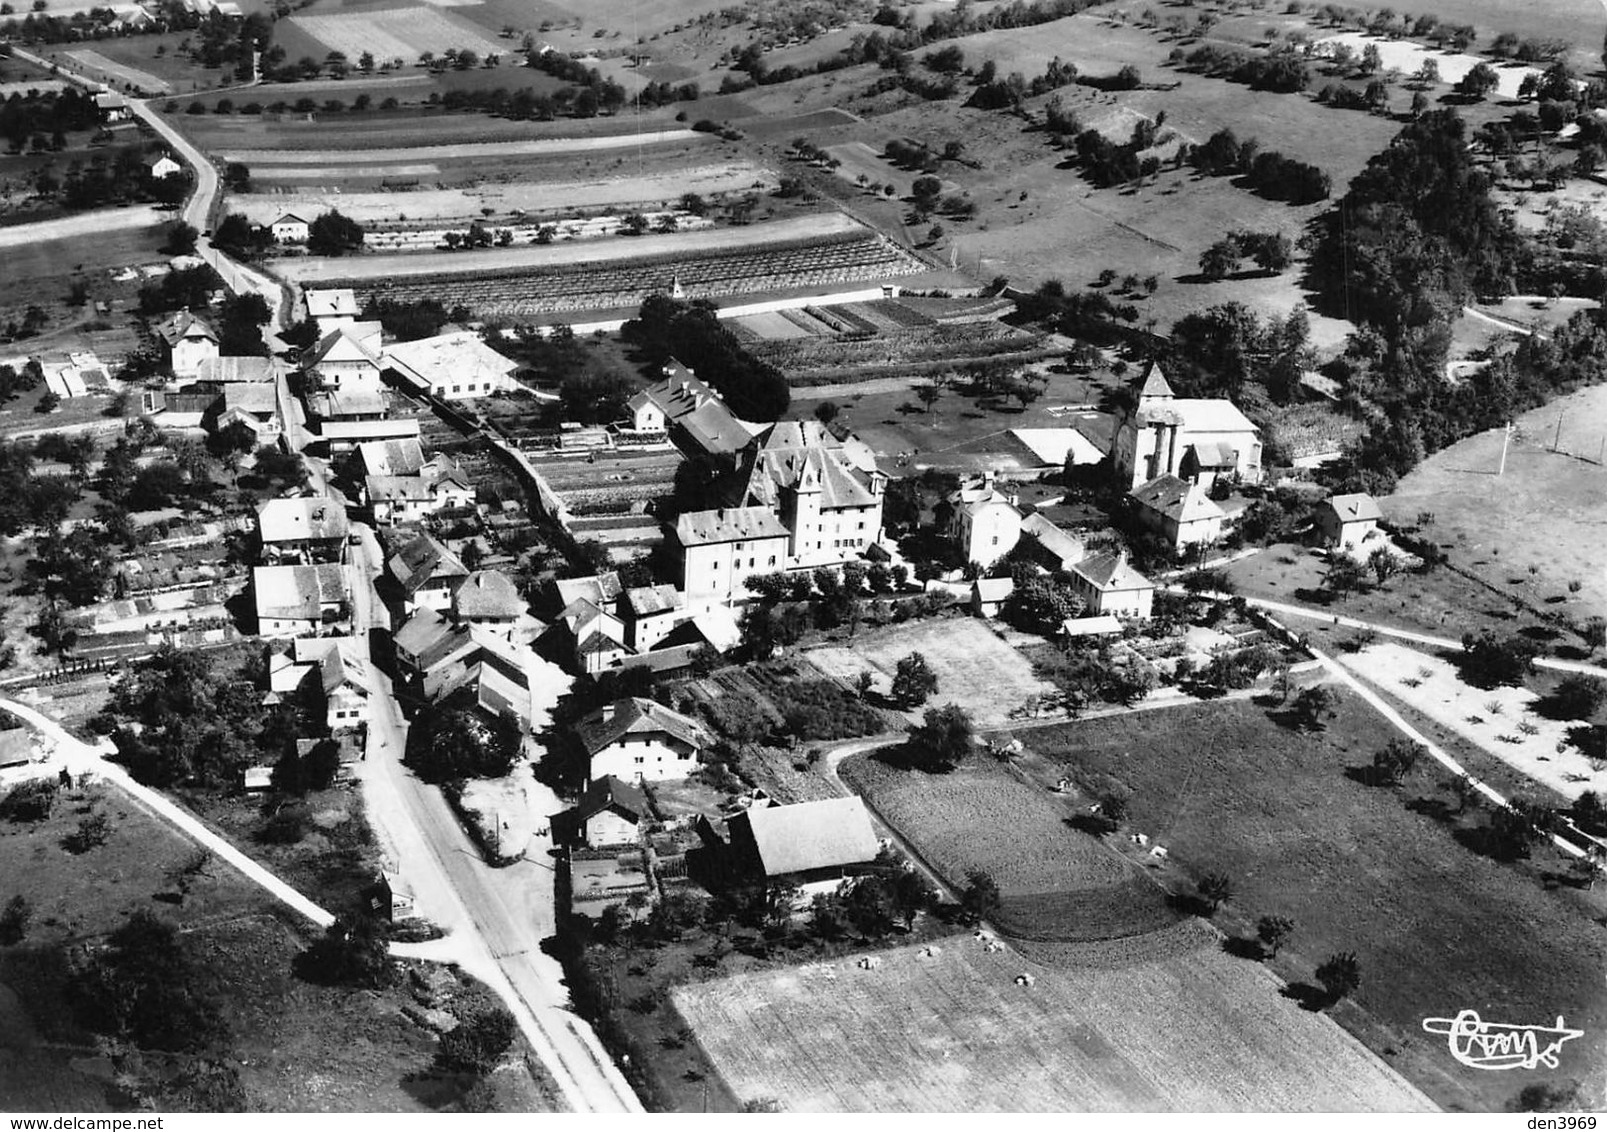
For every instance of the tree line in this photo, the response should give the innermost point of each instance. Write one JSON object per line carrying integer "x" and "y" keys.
{"x": 691, "y": 332}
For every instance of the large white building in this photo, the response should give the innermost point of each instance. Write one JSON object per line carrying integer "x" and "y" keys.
{"x": 638, "y": 740}
{"x": 984, "y": 523}
{"x": 345, "y": 361}
{"x": 453, "y": 367}
{"x": 721, "y": 549}
{"x": 1196, "y": 439}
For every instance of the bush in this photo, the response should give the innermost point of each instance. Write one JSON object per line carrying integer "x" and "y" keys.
{"x": 29, "y": 801}
{"x": 14, "y": 921}
{"x": 353, "y": 952}
{"x": 478, "y": 1042}
{"x": 913, "y": 681}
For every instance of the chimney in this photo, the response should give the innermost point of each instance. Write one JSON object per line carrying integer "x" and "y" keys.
{"x": 608, "y": 713}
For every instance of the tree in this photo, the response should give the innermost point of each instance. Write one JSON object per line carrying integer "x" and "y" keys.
{"x": 1273, "y": 932}
{"x": 1344, "y": 577}
{"x": 1478, "y": 82}
{"x": 1340, "y": 975}
{"x": 180, "y": 239}
{"x": 334, "y": 234}
{"x": 14, "y": 921}
{"x": 1383, "y": 564}
{"x": 1489, "y": 660}
{"x": 1546, "y": 1097}
{"x": 1214, "y": 889}
{"x": 478, "y": 1042}
{"x": 353, "y": 952}
{"x": 1576, "y": 696}
{"x": 1397, "y": 760}
{"x": 49, "y": 402}
{"x": 1594, "y": 632}
{"x": 943, "y": 739}
{"x": 979, "y": 900}
{"x": 912, "y": 895}
{"x": 1315, "y": 706}
{"x": 928, "y": 392}
{"x": 1220, "y": 260}
{"x": 913, "y": 681}
{"x": 144, "y": 988}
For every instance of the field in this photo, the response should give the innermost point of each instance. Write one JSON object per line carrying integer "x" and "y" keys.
{"x": 974, "y": 668}
{"x": 114, "y": 72}
{"x": 298, "y": 1047}
{"x": 947, "y": 1028}
{"x": 1056, "y": 883}
{"x": 398, "y": 33}
{"x": 536, "y": 147}
{"x": 1544, "y": 515}
{"x": 1384, "y": 873}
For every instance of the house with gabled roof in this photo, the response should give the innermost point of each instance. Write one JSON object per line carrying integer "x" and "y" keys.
{"x": 427, "y": 572}
{"x": 403, "y": 457}
{"x": 1108, "y": 584}
{"x": 650, "y": 612}
{"x": 289, "y": 228}
{"x": 229, "y": 369}
{"x": 596, "y": 638}
{"x": 1048, "y": 545}
{"x": 984, "y": 523}
{"x": 720, "y": 549}
{"x": 300, "y": 601}
{"x": 609, "y": 813}
{"x": 189, "y": 340}
{"x": 692, "y": 411}
{"x": 332, "y": 671}
{"x": 344, "y": 362}
{"x": 640, "y": 740}
{"x": 453, "y": 367}
{"x": 409, "y": 499}
{"x": 1179, "y": 510}
{"x": 330, "y": 308}
{"x": 309, "y": 528}
{"x": 490, "y": 600}
{"x": 1196, "y": 439}
{"x": 1346, "y": 521}
{"x": 603, "y": 590}
{"x": 163, "y": 167}
{"x": 254, "y": 405}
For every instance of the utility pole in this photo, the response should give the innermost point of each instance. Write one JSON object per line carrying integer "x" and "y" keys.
{"x": 1506, "y": 439}
{"x": 1556, "y": 440}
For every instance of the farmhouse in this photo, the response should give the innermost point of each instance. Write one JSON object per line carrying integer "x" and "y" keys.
{"x": 639, "y": 740}
{"x": 333, "y": 670}
{"x": 602, "y": 590}
{"x": 452, "y": 367}
{"x": 289, "y": 228}
{"x": 427, "y": 572}
{"x": 331, "y": 308}
{"x": 342, "y": 361}
{"x": 720, "y": 549}
{"x": 1345, "y": 521}
{"x": 1179, "y": 511}
{"x": 983, "y": 522}
{"x": 609, "y": 813}
{"x": 803, "y": 843}
{"x": 407, "y": 499}
{"x": 190, "y": 340}
{"x": 113, "y": 107}
{"x": 308, "y": 529}
{"x": 163, "y": 167}
{"x": 1195, "y": 439}
{"x": 693, "y": 412}
{"x": 596, "y": 638}
{"x": 299, "y": 601}
{"x": 650, "y": 612}
{"x": 391, "y": 457}
{"x": 254, "y": 406}
{"x": 1107, "y": 584}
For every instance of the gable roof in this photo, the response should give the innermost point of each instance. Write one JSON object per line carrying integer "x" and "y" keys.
{"x": 185, "y": 325}
{"x": 340, "y": 345}
{"x": 609, "y": 793}
{"x": 332, "y": 302}
{"x": 259, "y": 399}
{"x": 424, "y": 631}
{"x": 422, "y": 560}
{"x": 634, "y": 716}
{"x": 1152, "y": 384}
{"x": 1355, "y": 508}
{"x": 644, "y": 601}
{"x": 290, "y": 218}
{"x": 1066, "y": 547}
{"x": 992, "y": 589}
{"x": 599, "y": 589}
{"x": 309, "y": 517}
{"x": 1177, "y": 499}
{"x": 810, "y": 835}
{"x": 297, "y": 593}
{"x": 455, "y": 358}
{"x": 727, "y": 524}
{"x": 229, "y": 368}
{"x": 488, "y": 593}
{"x": 1110, "y": 572}
{"x": 391, "y": 457}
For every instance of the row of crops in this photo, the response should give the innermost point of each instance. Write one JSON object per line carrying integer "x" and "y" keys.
{"x": 816, "y": 360}
{"x": 851, "y": 257}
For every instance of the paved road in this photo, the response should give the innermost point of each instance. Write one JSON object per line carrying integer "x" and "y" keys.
{"x": 497, "y": 918}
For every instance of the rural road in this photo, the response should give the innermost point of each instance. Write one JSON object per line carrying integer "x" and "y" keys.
{"x": 497, "y": 918}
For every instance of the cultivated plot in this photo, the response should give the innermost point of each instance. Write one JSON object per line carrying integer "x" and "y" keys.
{"x": 397, "y": 33}
{"x": 948, "y": 1027}
{"x": 117, "y": 72}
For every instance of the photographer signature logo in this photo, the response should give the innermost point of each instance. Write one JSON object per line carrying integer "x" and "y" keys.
{"x": 1497, "y": 1045}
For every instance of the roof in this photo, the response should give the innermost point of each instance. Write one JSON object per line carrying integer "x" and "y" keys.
{"x": 262, "y": 400}
{"x": 423, "y": 631}
{"x": 332, "y": 302}
{"x": 634, "y": 716}
{"x": 727, "y": 524}
{"x": 609, "y": 793}
{"x": 185, "y": 325}
{"x": 1153, "y": 384}
{"x": 340, "y": 345}
{"x": 696, "y": 408}
{"x": 1355, "y": 508}
{"x": 422, "y": 560}
{"x": 1177, "y": 499}
{"x": 488, "y": 593}
{"x": 225, "y": 370}
{"x": 811, "y": 835}
{"x": 1197, "y": 415}
{"x": 16, "y": 745}
{"x": 455, "y": 358}
{"x": 1110, "y": 572}
{"x": 290, "y": 218}
{"x": 1068, "y": 548}
{"x": 397, "y": 489}
{"x": 992, "y": 589}
{"x": 1056, "y": 446}
{"x": 310, "y": 517}
{"x": 644, "y": 601}
{"x": 338, "y": 660}
{"x": 800, "y": 456}
{"x": 297, "y": 593}
{"x": 1213, "y": 454}
{"x": 599, "y": 589}
{"x": 391, "y": 457}
{"x": 1091, "y": 626}
{"x": 718, "y": 626}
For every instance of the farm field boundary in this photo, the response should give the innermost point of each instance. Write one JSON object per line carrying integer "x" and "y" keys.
{"x": 530, "y": 147}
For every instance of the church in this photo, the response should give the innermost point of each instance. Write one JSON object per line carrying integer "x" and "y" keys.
{"x": 1195, "y": 439}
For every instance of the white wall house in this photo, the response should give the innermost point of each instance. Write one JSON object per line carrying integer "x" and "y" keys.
{"x": 638, "y": 740}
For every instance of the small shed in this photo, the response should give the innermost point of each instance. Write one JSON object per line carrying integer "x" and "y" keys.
{"x": 988, "y": 595}
{"x": 258, "y": 779}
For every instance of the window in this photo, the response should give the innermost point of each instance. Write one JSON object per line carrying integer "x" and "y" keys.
{"x": 739, "y": 548}
{"x": 772, "y": 560}
{"x": 639, "y": 762}
{"x": 995, "y": 540}
{"x": 457, "y": 389}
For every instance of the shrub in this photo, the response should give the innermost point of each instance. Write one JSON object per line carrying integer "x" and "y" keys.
{"x": 29, "y": 801}
{"x": 14, "y": 921}
{"x": 478, "y": 1042}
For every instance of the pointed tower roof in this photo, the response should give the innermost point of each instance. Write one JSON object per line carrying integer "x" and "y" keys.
{"x": 1154, "y": 385}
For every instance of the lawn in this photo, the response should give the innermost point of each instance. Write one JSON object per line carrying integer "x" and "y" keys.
{"x": 974, "y": 668}
{"x": 1536, "y": 530}
{"x": 1384, "y": 873}
{"x": 299, "y": 1047}
{"x": 946, "y": 1027}
{"x": 1055, "y": 883}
